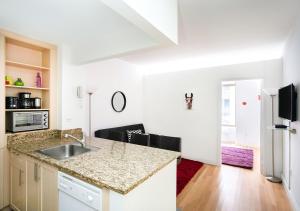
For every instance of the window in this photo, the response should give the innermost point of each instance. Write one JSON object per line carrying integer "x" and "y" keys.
{"x": 228, "y": 104}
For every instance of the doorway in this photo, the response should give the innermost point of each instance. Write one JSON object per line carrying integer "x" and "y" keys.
{"x": 240, "y": 126}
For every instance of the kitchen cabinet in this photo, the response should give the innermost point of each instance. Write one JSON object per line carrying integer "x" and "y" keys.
{"x": 4, "y": 178}
{"x": 33, "y": 185}
{"x": 1, "y": 178}
{"x": 49, "y": 189}
{"x": 18, "y": 182}
{"x": 22, "y": 57}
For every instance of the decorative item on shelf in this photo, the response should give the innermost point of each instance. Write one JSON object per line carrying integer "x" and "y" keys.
{"x": 8, "y": 80}
{"x": 38, "y": 80}
{"x": 189, "y": 101}
{"x": 118, "y": 101}
{"x": 19, "y": 82}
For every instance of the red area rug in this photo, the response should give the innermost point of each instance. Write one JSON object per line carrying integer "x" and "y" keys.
{"x": 185, "y": 172}
{"x": 237, "y": 157}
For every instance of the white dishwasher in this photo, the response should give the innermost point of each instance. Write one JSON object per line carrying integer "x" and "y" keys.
{"x": 76, "y": 195}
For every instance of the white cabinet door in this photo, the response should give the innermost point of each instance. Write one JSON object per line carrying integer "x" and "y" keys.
{"x": 18, "y": 182}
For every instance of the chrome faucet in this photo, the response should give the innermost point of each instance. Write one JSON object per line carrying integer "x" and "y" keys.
{"x": 81, "y": 142}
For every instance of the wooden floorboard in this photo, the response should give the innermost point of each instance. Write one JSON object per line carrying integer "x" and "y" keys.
{"x": 232, "y": 189}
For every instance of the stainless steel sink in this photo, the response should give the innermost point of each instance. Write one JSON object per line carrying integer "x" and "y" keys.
{"x": 64, "y": 151}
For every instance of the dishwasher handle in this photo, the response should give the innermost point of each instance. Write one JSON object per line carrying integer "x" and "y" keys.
{"x": 64, "y": 186}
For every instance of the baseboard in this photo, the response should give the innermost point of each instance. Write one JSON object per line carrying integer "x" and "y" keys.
{"x": 292, "y": 199}
{"x": 203, "y": 161}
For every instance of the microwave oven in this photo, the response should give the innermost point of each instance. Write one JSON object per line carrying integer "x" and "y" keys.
{"x": 19, "y": 121}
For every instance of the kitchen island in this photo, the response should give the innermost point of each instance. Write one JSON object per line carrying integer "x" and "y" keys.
{"x": 131, "y": 177}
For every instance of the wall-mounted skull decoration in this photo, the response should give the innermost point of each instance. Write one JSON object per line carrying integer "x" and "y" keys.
{"x": 189, "y": 101}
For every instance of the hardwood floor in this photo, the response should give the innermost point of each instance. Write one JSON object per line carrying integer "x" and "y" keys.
{"x": 232, "y": 189}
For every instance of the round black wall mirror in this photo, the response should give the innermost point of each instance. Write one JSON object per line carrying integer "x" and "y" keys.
{"x": 118, "y": 101}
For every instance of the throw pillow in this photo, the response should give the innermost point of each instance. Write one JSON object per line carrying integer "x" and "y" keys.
{"x": 130, "y": 132}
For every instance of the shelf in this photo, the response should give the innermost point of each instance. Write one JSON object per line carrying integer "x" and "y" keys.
{"x": 25, "y": 87}
{"x": 23, "y": 109}
{"x": 291, "y": 130}
{"x": 27, "y": 66}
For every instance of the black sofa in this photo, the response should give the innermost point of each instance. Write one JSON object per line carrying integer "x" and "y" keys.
{"x": 152, "y": 140}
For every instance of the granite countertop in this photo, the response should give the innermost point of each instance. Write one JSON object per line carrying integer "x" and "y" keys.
{"x": 114, "y": 165}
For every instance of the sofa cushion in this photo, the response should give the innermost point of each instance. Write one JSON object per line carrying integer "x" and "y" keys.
{"x": 119, "y": 133}
{"x": 116, "y": 135}
{"x": 170, "y": 143}
{"x": 165, "y": 142}
{"x": 140, "y": 139}
{"x": 154, "y": 140}
{"x": 131, "y": 132}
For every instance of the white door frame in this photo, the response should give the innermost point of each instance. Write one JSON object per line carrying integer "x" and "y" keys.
{"x": 219, "y": 126}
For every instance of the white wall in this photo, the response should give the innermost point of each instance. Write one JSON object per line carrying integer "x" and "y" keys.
{"x": 72, "y": 108}
{"x": 165, "y": 111}
{"x": 105, "y": 77}
{"x": 108, "y": 77}
{"x": 291, "y": 74}
{"x": 248, "y": 116}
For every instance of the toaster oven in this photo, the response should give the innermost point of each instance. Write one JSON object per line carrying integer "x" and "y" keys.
{"x": 19, "y": 121}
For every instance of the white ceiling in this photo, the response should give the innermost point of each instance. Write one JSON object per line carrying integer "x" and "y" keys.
{"x": 207, "y": 27}
{"x": 91, "y": 29}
